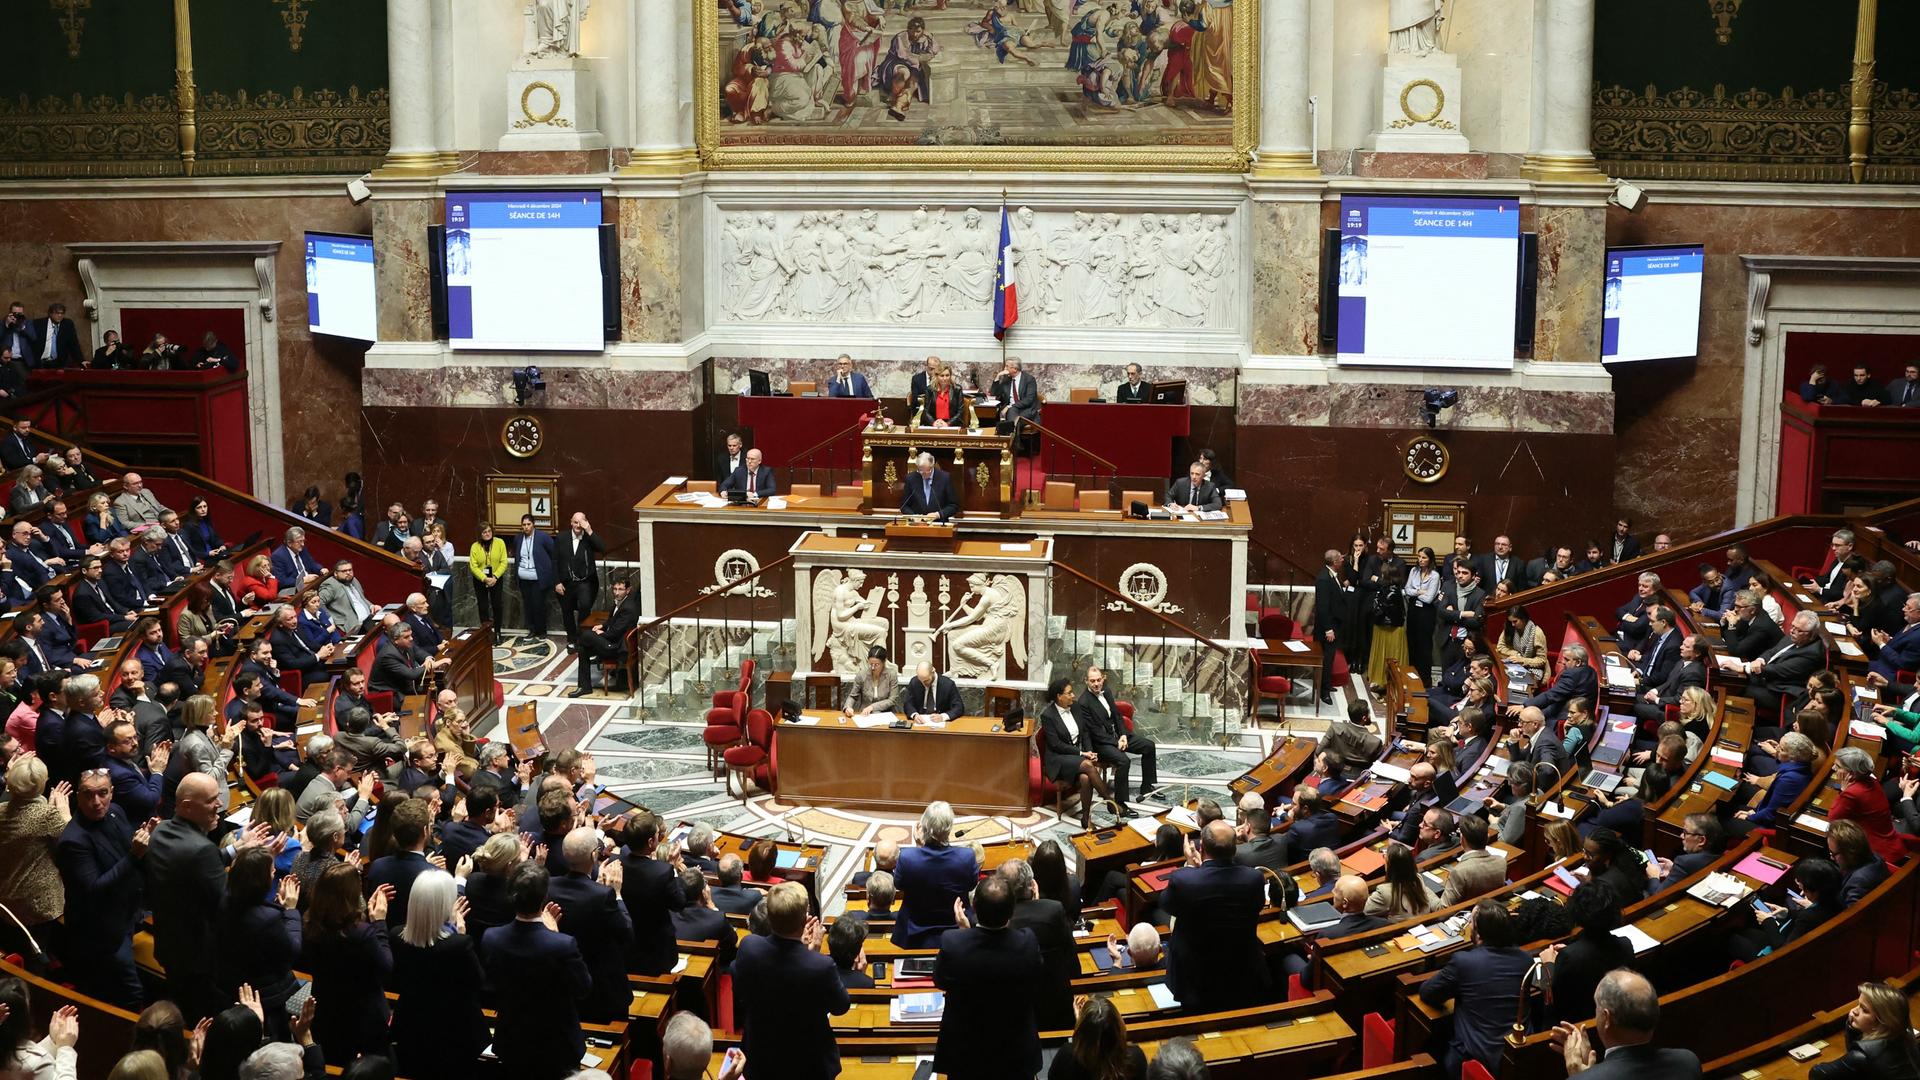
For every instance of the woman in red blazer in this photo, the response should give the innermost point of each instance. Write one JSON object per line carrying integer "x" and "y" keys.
{"x": 1862, "y": 801}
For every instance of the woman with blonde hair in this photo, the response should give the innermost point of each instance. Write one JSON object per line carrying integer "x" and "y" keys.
{"x": 99, "y": 524}
{"x": 1563, "y": 840}
{"x": 275, "y": 809}
{"x": 30, "y": 825}
{"x": 201, "y": 749}
{"x": 253, "y": 584}
{"x": 1880, "y": 1041}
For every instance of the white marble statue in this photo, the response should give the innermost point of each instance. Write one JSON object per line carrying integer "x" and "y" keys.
{"x": 991, "y": 618}
{"x": 935, "y": 266}
{"x": 553, "y": 27}
{"x": 846, "y": 620}
{"x": 1413, "y": 26}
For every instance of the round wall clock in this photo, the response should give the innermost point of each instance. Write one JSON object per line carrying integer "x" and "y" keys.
{"x": 522, "y": 436}
{"x": 1426, "y": 459}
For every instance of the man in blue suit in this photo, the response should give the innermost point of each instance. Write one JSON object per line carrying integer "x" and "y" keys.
{"x": 145, "y": 561}
{"x": 1313, "y": 823}
{"x": 539, "y": 980}
{"x": 1484, "y": 983}
{"x": 994, "y": 978}
{"x": 1214, "y": 958}
{"x": 533, "y": 570}
{"x": 846, "y": 381}
{"x": 27, "y": 563}
{"x": 930, "y": 694}
{"x": 55, "y": 538}
{"x": 1900, "y": 651}
{"x": 593, "y": 915}
{"x": 784, "y": 991}
{"x": 929, "y": 491}
{"x": 176, "y": 555}
{"x": 1576, "y": 679}
{"x": 137, "y": 784}
{"x": 294, "y": 567}
{"x": 752, "y": 479}
{"x": 99, "y": 855}
{"x": 412, "y": 821}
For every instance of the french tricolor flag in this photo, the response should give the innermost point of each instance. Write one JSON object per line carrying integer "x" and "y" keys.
{"x": 1006, "y": 295}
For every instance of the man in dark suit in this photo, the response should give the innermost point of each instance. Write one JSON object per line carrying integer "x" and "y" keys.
{"x": 1831, "y": 583}
{"x": 593, "y": 914}
{"x": 578, "y": 572}
{"x": 291, "y": 651}
{"x": 1311, "y": 822}
{"x": 1626, "y": 1009}
{"x": 16, "y": 449}
{"x": 1622, "y": 546}
{"x": 56, "y": 344}
{"x": 650, "y": 885}
{"x": 1134, "y": 390}
{"x": 1349, "y": 898}
{"x": 55, "y": 538}
{"x": 1533, "y": 741}
{"x": 731, "y": 458}
{"x": 117, "y": 577}
{"x": 1561, "y": 564}
{"x": 294, "y": 567}
{"x": 728, "y": 894}
{"x": 1047, "y": 921}
{"x": 533, "y": 569}
{"x": 929, "y": 492}
{"x": 1899, "y": 650}
{"x": 1747, "y": 629}
{"x": 185, "y": 879}
{"x": 1576, "y": 679}
{"x": 784, "y": 991}
{"x": 99, "y": 855}
{"x": 1690, "y": 669}
{"x": 539, "y": 980}
{"x": 1659, "y": 651}
{"x": 1258, "y": 846}
{"x": 1500, "y": 565}
{"x": 1484, "y": 983}
{"x": 699, "y": 920}
{"x": 1633, "y": 615}
{"x": 1781, "y": 673}
{"x": 847, "y": 382}
{"x": 921, "y": 381}
{"x": 412, "y": 823}
{"x": 847, "y": 944}
{"x": 1193, "y": 493}
{"x": 1329, "y": 607}
{"x": 752, "y": 479}
{"x": 1019, "y": 397}
{"x": 1098, "y": 712}
{"x": 31, "y": 569}
{"x": 1214, "y": 959}
{"x": 137, "y": 776}
{"x": 995, "y": 980}
{"x": 609, "y": 639}
{"x": 1462, "y": 553}
{"x": 399, "y": 667}
{"x": 461, "y": 838}
{"x": 1863, "y": 390}
{"x": 1904, "y": 392}
{"x": 1702, "y": 841}
{"x": 1713, "y": 597}
{"x": 1462, "y": 608}
{"x": 931, "y": 695}
{"x": 1421, "y": 793}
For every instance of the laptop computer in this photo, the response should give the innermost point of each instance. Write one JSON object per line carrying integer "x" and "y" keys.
{"x": 1600, "y": 780}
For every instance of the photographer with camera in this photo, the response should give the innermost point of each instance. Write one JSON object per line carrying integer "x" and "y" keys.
{"x": 113, "y": 355}
{"x": 160, "y": 354}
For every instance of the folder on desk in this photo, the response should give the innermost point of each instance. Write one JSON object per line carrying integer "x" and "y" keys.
{"x": 1720, "y": 780}
{"x": 1103, "y": 960}
{"x": 1156, "y": 880}
{"x": 1761, "y": 869}
{"x": 1363, "y": 861}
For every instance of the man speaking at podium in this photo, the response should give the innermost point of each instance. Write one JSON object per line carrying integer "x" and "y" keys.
{"x": 929, "y": 492}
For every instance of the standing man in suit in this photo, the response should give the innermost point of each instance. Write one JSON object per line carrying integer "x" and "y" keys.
{"x": 1257, "y": 846}
{"x": 994, "y": 978}
{"x": 1782, "y": 673}
{"x": 594, "y": 916}
{"x": 579, "y": 582}
{"x": 1690, "y": 669}
{"x": 1501, "y": 565}
{"x": 1018, "y": 395}
{"x": 1484, "y": 983}
{"x": 1463, "y": 609}
{"x": 922, "y": 382}
{"x": 539, "y": 981}
{"x": 412, "y": 827}
{"x": 1047, "y": 921}
{"x": 1099, "y": 714}
{"x": 1576, "y": 679}
{"x": 609, "y": 639}
{"x": 700, "y": 919}
{"x": 1904, "y": 392}
{"x": 56, "y": 344}
{"x": 847, "y": 382}
{"x": 1625, "y": 1012}
{"x": 1214, "y": 959}
{"x": 1899, "y": 651}
{"x": 99, "y": 855}
{"x": 650, "y": 886}
{"x": 534, "y": 570}
{"x": 752, "y": 479}
{"x": 734, "y": 456}
{"x": 784, "y": 990}
{"x": 1329, "y": 602}
{"x": 1134, "y": 391}
{"x": 929, "y": 491}
{"x": 1194, "y": 493}
{"x": 184, "y": 882}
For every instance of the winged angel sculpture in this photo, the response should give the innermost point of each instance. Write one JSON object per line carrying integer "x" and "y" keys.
{"x": 846, "y": 619}
{"x": 991, "y": 617}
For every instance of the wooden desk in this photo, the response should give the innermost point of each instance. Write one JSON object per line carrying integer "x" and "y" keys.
{"x": 969, "y": 762}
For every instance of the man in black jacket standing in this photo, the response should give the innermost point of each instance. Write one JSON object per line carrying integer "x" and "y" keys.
{"x": 99, "y": 855}
{"x": 994, "y": 978}
{"x": 652, "y": 890}
{"x": 579, "y": 575}
{"x": 184, "y": 882}
{"x": 1328, "y": 602}
{"x": 609, "y": 639}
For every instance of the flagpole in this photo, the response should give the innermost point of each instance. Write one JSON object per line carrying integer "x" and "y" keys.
{"x": 1003, "y": 336}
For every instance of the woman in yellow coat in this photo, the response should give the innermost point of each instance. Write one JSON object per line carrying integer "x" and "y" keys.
{"x": 487, "y": 559}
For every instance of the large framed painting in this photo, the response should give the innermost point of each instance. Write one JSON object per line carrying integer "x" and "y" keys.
{"x": 1070, "y": 84}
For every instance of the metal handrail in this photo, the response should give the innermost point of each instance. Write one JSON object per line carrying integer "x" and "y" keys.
{"x": 1027, "y": 423}
{"x": 718, "y": 594}
{"x": 856, "y": 426}
{"x": 1138, "y": 606}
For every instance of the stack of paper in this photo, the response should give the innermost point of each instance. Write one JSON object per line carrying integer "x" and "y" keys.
{"x": 873, "y": 720}
{"x": 1719, "y": 889}
{"x": 1638, "y": 938}
{"x": 1385, "y": 771}
{"x": 1162, "y": 997}
{"x": 925, "y": 1008}
{"x": 1729, "y": 757}
{"x": 1145, "y": 826}
{"x": 1867, "y": 729}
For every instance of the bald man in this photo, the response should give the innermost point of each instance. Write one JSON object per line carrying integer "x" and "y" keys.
{"x": 186, "y": 877}
{"x": 1214, "y": 957}
{"x": 886, "y": 856}
{"x": 1349, "y": 898}
{"x": 931, "y": 696}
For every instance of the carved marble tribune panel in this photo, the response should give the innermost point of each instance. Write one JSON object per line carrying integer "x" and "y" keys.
{"x": 1061, "y": 83}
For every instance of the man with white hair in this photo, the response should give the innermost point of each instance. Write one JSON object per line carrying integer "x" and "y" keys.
{"x": 932, "y": 877}
{"x": 687, "y": 1047}
{"x": 420, "y": 617}
{"x": 1781, "y": 674}
{"x": 929, "y": 492}
{"x": 294, "y": 567}
{"x": 1141, "y": 949}
{"x": 1576, "y": 679}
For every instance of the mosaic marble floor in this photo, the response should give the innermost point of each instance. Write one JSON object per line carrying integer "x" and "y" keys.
{"x": 658, "y": 760}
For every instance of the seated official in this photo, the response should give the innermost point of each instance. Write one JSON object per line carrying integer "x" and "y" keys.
{"x": 929, "y": 492}
{"x": 847, "y": 382}
{"x": 1194, "y": 494}
{"x": 1135, "y": 390}
{"x": 1880, "y": 1040}
{"x": 875, "y": 688}
{"x": 931, "y": 696}
{"x": 1626, "y": 1008}
{"x": 942, "y": 405}
{"x": 1018, "y": 394}
{"x": 751, "y": 479}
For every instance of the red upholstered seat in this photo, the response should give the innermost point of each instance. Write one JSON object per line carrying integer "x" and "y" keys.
{"x": 1376, "y": 1041}
{"x": 756, "y": 752}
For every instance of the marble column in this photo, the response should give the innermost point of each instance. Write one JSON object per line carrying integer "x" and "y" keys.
{"x": 1286, "y": 147}
{"x": 443, "y": 85}
{"x": 662, "y": 92}
{"x": 1562, "y": 143}
{"x": 410, "y": 71}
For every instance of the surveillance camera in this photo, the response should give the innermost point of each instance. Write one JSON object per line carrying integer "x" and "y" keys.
{"x": 526, "y": 380}
{"x": 358, "y": 191}
{"x": 1435, "y": 399}
{"x": 1627, "y": 196}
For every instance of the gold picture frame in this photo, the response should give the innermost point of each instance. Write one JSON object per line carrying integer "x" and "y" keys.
{"x": 1144, "y": 157}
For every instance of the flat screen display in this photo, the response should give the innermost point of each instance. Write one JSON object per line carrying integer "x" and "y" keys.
{"x": 1427, "y": 281}
{"x": 340, "y": 296}
{"x": 523, "y": 270}
{"x": 1652, "y": 303}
